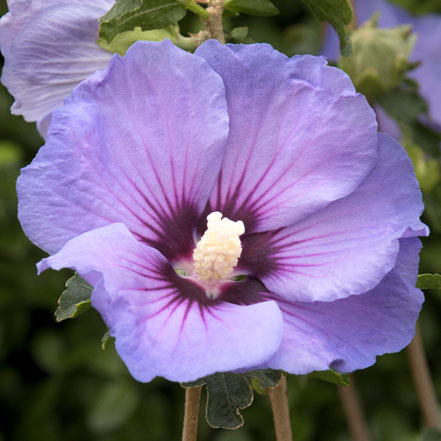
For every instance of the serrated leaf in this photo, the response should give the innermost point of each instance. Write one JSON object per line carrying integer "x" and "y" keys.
{"x": 227, "y": 394}
{"x": 331, "y": 376}
{"x": 429, "y": 281}
{"x": 336, "y": 12}
{"x": 75, "y": 299}
{"x": 262, "y": 8}
{"x": 126, "y": 15}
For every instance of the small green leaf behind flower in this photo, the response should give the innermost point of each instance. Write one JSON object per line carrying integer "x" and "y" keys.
{"x": 409, "y": 109}
{"x": 126, "y": 15}
{"x": 429, "y": 281}
{"x": 124, "y": 40}
{"x": 75, "y": 299}
{"x": 331, "y": 376}
{"x": 262, "y": 8}
{"x": 228, "y": 393}
{"x": 338, "y": 13}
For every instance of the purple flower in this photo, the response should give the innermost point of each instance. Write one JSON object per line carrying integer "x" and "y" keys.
{"x": 49, "y": 47}
{"x": 320, "y": 210}
{"x": 427, "y": 51}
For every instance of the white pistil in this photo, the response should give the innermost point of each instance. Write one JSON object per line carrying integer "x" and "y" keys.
{"x": 219, "y": 249}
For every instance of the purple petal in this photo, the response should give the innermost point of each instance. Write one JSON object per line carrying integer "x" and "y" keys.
{"x": 146, "y": 154}
{"x": 300, "y": 137}
{"x": 348, "y": 334}
{"x": 161, "y": 326}
{"x": 49, "y": 47}
{"x": 347, "y": 247}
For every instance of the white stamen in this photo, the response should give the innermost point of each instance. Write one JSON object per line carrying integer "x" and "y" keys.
{"x": 219, "y": 249}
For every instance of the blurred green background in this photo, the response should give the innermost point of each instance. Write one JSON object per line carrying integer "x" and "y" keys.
{"x": 56, "y": 383}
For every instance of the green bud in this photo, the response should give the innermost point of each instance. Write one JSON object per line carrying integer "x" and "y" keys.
{"x": 380, "y": 57}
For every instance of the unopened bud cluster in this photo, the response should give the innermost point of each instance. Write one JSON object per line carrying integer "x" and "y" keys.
{"x": 379, "y": 59}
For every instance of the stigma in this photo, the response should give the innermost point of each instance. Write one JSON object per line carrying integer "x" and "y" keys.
{"x": 217, "y": 253}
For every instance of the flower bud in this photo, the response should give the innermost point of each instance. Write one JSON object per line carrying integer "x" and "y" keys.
{"x": 379, "y": 59}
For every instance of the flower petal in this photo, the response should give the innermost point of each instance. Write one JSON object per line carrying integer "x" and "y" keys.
{"x": 347, "y": 247}
{"x": 348, "y": 334}
{"x": 49, "y": 47}
{"x": 161, "y": 326}
{"x": 300, "y": 137}
{"x": 146, "y": 154}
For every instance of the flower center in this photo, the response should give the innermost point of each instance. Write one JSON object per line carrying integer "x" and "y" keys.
{"x": 219, "y": 249}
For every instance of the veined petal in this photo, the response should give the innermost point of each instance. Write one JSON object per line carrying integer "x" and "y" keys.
{"x": 49, "y": 47}
{"x": 146, "y": 154}
{"x": 163, "y": 324}
{"x": 300, "y": 137}
{"x": 348, "y": 334}
{"x": 347, "y": 247}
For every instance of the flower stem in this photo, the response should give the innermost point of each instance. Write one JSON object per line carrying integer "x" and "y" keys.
{"x": 214, "y": 22}
{"x": 423, "y": 382}
{"x": 191, "y": 412}
{"x": 353, "y": 411}
{"x": 279, "y": 404}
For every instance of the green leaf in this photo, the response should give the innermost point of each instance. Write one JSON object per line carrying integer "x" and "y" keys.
{"x": 262, "y": 8}
{"x": 192, "y": 6}
{"x": 124, "y": 40}
{"x": 406, "y": 106}
{"x": 429, "y": 281}
{"x": 338, "y": 13}
{"x": 126, "y": 15}
{"x": 227, "y": 394}
{"x": 331, "y": 376}
{"x": 420, "y": 6}
{"x": 74, "y": 300}
{"x": 263, "y": 379}
{"x": 104, "y": 340}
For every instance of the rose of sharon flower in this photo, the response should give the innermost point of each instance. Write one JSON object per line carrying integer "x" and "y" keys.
{"x": 49, "y": 47}
{"x": 427, "y": 51}
{"x": 169, "y": 175}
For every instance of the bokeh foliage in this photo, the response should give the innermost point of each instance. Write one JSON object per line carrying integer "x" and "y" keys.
{"x": 56, "y": 382}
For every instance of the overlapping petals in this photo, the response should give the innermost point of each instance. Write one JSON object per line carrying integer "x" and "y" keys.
{"x": 147, "y": 155}
{"x": 49, "y": 47}
{"x": 142, "y": 151}
{"x": 348, "y": 334}
{"x": 284, "y": 158}
{"x": 347, "y": 247}
{"x": 158, "y": 330}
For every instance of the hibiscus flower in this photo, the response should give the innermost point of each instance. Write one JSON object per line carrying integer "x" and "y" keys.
{"x": 232, "y": 209}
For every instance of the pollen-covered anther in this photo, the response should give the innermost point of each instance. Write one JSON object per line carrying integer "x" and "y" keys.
{"x": 219, "y": 249}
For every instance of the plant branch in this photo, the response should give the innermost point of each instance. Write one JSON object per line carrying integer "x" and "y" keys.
{"x": 191, "y": 412}
{"x": 423, "y": 382}
{"x": 353, "y": 411}
{"x": 214, "y": 22}
{"x": 279, "y": 404}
